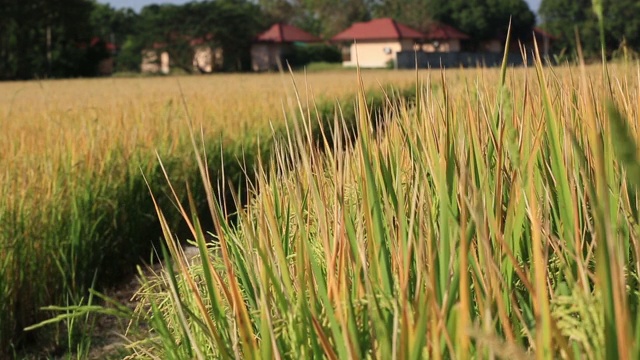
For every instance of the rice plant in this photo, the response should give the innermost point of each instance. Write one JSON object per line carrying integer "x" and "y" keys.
{"x": 494, "y": 216}
{"x": 73, "y": 201}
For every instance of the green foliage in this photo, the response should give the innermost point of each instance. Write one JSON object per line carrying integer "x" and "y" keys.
{"x": 489, "y": 19}
{"x": 236, "y": 24}
{"x": 303, "y": 54}
{"x": 172, "y": 28}
{"x": 226, "y": 24}
{"x": 26, "y": 53}
{"x": 621, "y": 24}
{"x": 129, "y": 55}
{"x": 100, "y": 227}
{"x": 54, "y": 39}
{"x": 118, "y": 27}
{"x": 323, "y": 17}
{"x": 480, "y": 19}
{"x": 415, "y": 13}
{"x": 113, "y": 25}
{"x": 42, "y": 38}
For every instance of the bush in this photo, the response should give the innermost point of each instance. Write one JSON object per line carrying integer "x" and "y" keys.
{"x": 303, "y": 54}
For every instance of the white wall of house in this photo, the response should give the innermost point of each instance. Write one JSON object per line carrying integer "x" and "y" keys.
{"x": 153, "y": 63}
{"x": 150, "y": 63}
{"x": 376, "y": 54}
{"x": 203, "y": 59}
{"x": 164, "y": 63}
{"x": 206, "y": 59}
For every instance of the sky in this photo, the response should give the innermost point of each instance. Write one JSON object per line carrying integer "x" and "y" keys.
{"x": 138, "y": 4}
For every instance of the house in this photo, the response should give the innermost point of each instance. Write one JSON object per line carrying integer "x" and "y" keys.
{"x": 443, "y": 38}
{"x": 155, "y": 60}
{"x": 270, "y": 47}
{"x": 205, "y": 58}
{"x": 374, "y": 44}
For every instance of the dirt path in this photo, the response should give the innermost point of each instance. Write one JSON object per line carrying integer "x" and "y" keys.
{"x": 108, "y": 335}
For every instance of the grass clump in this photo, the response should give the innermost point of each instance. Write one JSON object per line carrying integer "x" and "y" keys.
{"x": 489, "y": 219}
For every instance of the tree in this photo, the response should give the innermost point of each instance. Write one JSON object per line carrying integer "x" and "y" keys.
{"x": 111, "y": 24}
{"x": 326, "y": 18}
{"x": 236, "y": 24}
{"x": 277, "y": 11}
{"x": 171, "y": 28}
{"x": 563, "y": 17}
{"x": 418, "y": 14}
{"x": 118, "y": 28}
{"x": 487, "y": 19}
{"x": 176, "y": 29}
{"x": 40, "y": 38}
{"x": 518, "y": 12}
{"x": 481, "y": 19}
{"x": 621, "y": 21}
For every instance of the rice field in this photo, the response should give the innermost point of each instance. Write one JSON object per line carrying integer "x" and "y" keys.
{"x": 74, "y": 206}
{"x": 493, "y": 214}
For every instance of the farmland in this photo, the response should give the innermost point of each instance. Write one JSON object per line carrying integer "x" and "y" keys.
{"x": 495, "y": 214}
{"x": 74, "y": 206}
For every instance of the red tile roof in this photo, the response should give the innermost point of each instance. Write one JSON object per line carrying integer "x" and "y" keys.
{"x": 378, "y": 29}
{"x": 440, "y": 31}
{"x": 283, "y": 33}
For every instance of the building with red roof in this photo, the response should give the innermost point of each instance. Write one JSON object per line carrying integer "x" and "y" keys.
{"x": 280, "y": 33}
{"x": 270, "y": 47}
{"x": 443, "y": 38}
{"x": 374, "y": 44}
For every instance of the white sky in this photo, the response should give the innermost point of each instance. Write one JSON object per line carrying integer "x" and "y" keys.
{"x": 138, "y": 4}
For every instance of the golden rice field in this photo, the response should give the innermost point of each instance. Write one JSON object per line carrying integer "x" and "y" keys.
{"x": 495, "y": 215}
{"x": 81, "y": 119}
{"x": 68, "y": 147}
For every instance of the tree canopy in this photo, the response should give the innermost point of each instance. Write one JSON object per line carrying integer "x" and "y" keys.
{"x": 176, "y": 29}
{"x": 480, "y": 19}
{"x": 321, "y": 17}
{"x": 564, "y": 17}
{"x": 40, "y": 38}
